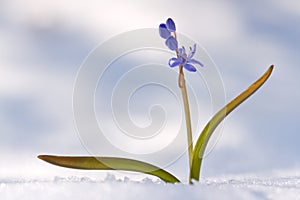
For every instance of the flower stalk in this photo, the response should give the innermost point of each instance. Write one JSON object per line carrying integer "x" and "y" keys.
{"x": 182, "y": 86}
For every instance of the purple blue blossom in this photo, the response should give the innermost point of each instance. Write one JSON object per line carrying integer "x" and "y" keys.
{"x": 172, "y": 43}
{"x": 187, "y": 61}
{"x": 165, "y": 31}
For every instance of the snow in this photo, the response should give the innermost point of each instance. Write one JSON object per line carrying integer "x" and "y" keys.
{"x": 75, "y": 187}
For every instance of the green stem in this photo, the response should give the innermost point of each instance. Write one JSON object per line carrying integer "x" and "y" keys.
{"x": 182, "y": 86}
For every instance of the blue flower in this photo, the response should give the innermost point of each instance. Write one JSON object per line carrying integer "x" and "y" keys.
{"x": 165, "y": 31}
{"x": 185, "y": 60}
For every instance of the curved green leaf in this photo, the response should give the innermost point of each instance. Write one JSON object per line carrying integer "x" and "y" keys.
{"x": 109, "y": 163}
{"x": 216, "y": 120}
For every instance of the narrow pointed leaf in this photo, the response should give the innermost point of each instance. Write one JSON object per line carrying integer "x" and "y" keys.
{"x": 109, "y": 163}
{"x": 217, "y": 119}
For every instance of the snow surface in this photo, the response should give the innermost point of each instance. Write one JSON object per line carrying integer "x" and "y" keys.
{"x": 75, "y": 187}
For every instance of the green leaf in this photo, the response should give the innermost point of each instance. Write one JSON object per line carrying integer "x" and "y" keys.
{"x": 109, "y": 163}
{"x": 217, "y": 119}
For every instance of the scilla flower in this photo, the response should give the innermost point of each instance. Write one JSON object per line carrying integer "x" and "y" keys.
{"x": 185, "y": 60}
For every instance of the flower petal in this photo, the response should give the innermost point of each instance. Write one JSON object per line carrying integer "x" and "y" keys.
{"x": 172, "y": 43}
{"x": 163, "y": 31}
{"x": 173, "y": 62}
{"x": 189, "y": 67}
{"x": 171, "y": 25}
{"x": 192, "y": 52}
{"x": 193, "y": 61}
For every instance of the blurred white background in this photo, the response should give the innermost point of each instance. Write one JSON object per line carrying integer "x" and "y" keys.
{"x": 43, "y": 43}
